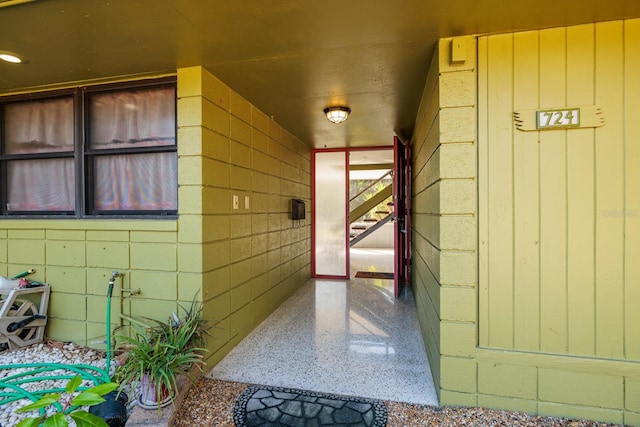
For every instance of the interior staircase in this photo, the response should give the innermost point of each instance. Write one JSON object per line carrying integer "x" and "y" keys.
{"x": 359, "y": 232}
{"x": 366, "y": 218}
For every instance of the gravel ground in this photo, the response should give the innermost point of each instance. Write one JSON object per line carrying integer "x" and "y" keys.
{"x": 48, "y": 352}
{"x": 210, "y": 402}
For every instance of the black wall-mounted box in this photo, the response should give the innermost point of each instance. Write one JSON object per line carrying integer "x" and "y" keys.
{"x": 297, "y": 209}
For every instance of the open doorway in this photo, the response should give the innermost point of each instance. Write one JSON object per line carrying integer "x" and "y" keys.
{"x": 346, "y": 335}
{"x": 360, "y": 206}
{"x": 371, "y": 215}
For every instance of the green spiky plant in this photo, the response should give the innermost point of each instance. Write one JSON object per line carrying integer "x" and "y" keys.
{"x": 161, "y": 353}
{"x": 67, "y": 405}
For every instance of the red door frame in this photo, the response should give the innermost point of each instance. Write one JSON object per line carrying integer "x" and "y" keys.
{"x": 402, "y": 214}
{"x": 396, "y": 249}
{"x": 313, "y": 212}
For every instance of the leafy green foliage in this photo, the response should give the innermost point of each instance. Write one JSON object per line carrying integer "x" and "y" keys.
{"x": 66, "y": 404}
{"x": 56, "y": 420}
{"x": 43, "y": 402}
{"x": 161, "y": 353}
{"x": 85, "y": 419}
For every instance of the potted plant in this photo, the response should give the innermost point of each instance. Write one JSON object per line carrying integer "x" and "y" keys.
{"x": 156, "y": 357}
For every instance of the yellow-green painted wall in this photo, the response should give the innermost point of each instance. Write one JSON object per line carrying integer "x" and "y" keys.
{"x": 560, "y": 237}
{"x": 443, "y": 233}
{"x": 246, "y": 260}
{"x": 240, "y": 263}
{"x": 543, "y": 317}
{"x": 77, "y": 259}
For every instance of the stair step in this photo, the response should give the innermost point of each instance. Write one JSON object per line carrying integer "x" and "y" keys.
{"x": 358, "y": 227}
{"x": 382, "y": 212}
{"x": 370, "y": 220}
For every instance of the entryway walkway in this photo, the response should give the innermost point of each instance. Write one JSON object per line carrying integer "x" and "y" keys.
{"x": 346, "y": 337}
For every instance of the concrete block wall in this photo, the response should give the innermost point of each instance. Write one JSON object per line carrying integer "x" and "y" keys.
{"x": 241, "y": 263}
{"x": 77, "y": 259}
{"x": 250, "y": 259}
{"x": 425, "y": 237}
{"x": 444, "y": 219}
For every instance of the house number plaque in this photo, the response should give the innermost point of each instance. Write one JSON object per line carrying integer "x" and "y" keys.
{"x": 559, "y": 118}
{"x": 546, "y": 119}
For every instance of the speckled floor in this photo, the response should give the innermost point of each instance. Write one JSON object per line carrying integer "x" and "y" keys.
{"x": 348, "y": 337}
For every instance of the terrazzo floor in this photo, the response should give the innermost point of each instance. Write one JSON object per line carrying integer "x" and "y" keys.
{"x": 348, "y": 337}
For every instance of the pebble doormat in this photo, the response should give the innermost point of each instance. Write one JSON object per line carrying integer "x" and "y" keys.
{"x": 274, "y": 406}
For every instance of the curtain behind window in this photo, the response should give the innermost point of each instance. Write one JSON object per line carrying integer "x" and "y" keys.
{"x": 136, "y": 182}
{"x": 130, "y": 153}
{"x": 129, "y": 120}
{"x": 39, "y": 128}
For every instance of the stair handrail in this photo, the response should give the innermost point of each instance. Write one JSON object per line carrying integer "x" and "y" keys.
{"x": 366, "y": 206}
{"x": 371, "y": 185}
{"x": 370, "y": 230}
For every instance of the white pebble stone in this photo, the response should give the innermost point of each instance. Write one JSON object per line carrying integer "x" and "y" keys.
{"x": 69, "y": 354}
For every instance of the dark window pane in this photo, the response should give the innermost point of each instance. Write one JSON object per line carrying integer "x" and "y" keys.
{"x": 136, "y": 182}
{"x": 39, "y": 126}
{"x": 40, "y": 185}
{"x": 128, "y": 119}
{"x": 126, "y": 154}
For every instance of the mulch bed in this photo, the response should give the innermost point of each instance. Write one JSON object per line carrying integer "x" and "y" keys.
{"x": 210, "y": 403}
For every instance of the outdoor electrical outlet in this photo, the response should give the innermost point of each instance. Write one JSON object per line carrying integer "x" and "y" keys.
{"x": 235, "y": 202}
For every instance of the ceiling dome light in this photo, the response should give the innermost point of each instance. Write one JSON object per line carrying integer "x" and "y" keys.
{"x": 337, "y": 114}
{"x": 11, "y": 57}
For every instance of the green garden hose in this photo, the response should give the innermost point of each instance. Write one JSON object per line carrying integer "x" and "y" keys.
{"x": 33, "y": 370}
{"x": 15, "y": 381}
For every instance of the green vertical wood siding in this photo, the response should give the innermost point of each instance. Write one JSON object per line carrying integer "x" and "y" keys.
{"x": 558, "y": 224}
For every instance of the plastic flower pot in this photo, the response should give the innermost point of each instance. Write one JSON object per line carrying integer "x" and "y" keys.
{"x": 148, "y": 395}
{"x": 114, "y": 410}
